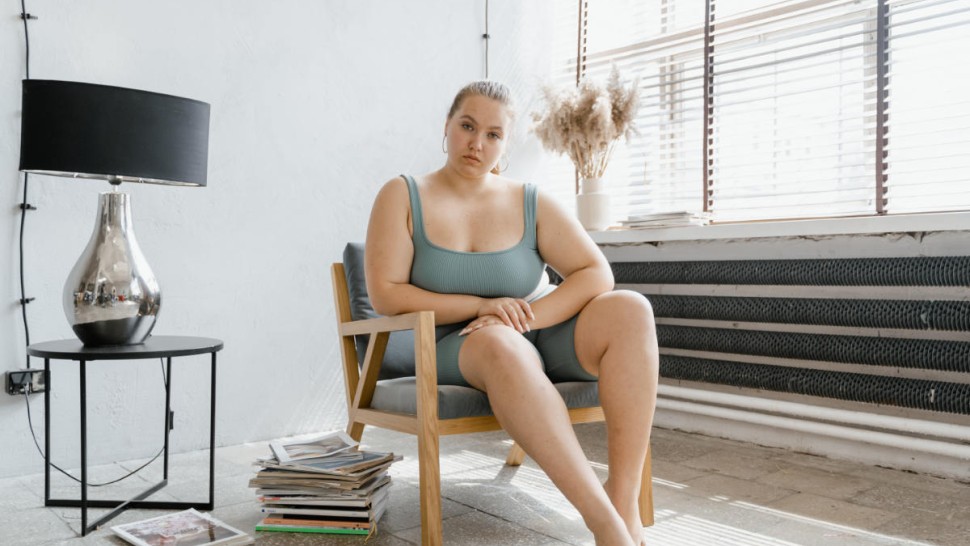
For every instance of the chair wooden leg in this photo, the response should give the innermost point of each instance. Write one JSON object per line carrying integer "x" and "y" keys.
{"x": 355, "y": 430}
{"x": 646, "y": 493}
{"x": 516, "y": 455}
{"x": 430, "y": 490}
{"x": 427, "y": 400}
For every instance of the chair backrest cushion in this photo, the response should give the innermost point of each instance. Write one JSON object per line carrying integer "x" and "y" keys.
{"x": 399, "y": 355}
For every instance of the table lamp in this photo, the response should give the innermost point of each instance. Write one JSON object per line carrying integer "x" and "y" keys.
{"x": 83, "y": 130}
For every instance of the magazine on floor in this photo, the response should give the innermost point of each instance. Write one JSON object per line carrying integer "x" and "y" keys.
{"x": 186, "y": 528}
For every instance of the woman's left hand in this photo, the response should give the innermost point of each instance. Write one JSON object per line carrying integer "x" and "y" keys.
{"x": 481, "y": 322}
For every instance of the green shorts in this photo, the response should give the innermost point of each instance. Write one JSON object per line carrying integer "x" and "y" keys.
{"x": 555, "y": 345}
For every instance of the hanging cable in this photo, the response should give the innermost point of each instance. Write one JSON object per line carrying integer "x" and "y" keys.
{"x": 24, "y": 205}
{"x": 25, "y": 16}
{"x": 68, "y": 474}
{"x": 486, "y": 37}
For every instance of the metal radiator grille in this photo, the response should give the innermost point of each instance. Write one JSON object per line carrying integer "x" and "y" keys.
{"x": 909, "y": 393}
{"x": 889, "y": 331}
{"x": 904, "y": 353}
{"x": 922, "y": 271}
{"x": 916, "y": 315}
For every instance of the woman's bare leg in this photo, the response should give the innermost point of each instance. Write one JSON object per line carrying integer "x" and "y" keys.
{"x": 616, "y": 340}
{"x": 499, "y": 361}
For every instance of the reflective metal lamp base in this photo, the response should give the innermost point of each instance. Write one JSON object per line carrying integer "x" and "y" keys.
{"x": 111, "y": 296}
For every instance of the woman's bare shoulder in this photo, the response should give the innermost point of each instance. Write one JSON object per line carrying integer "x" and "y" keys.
{"x": 393, "y": 192}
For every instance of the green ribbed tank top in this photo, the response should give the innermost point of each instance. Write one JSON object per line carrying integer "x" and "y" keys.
{"x": 514, "y": 272}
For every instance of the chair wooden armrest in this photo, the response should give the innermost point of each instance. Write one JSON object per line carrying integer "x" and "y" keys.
{"x": 360, "y": 384}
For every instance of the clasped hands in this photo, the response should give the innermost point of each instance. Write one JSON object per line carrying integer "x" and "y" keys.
{"x": 512, "y": 312}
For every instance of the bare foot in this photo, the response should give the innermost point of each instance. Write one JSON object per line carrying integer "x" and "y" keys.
{"x": 627, "y": 504}
{"x": 611, "y": 531}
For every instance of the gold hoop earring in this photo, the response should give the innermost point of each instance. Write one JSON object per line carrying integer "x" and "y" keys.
{"x": 443, "y": 147}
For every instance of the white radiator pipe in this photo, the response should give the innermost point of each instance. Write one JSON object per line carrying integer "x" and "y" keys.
{"x": 956, "y": 451}
{"x": 805, "y": 411}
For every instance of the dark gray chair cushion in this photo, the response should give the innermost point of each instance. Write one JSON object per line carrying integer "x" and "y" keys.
{"x": 396, "y": 388}
{"x": 399, "y": 355}
{"x": 398, "y": 395}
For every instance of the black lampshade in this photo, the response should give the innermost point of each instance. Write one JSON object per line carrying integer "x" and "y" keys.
{"x": 99, "y": 131}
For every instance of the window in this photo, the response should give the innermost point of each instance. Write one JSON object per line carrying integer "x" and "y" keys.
{"x": 815, "y": 108}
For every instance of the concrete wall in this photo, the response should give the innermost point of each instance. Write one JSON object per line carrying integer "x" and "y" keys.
{"x": 314, "y": 106}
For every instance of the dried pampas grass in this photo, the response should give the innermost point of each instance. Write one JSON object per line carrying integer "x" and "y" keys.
{"x": 585, "y": 122}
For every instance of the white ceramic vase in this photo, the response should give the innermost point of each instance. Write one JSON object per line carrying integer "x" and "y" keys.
{"x": 593, "y": 205}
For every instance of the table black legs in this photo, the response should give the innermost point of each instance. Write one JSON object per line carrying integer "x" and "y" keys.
{"x": 84, "y": 447}
{"x": 168, "y": 413}
{"x": 212, "y": 437}
{"x": 47, "y": 428}
{"x": 137, "y": 501}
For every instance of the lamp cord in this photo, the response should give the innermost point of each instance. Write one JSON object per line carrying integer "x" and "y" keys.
{"x": 486, "y": 37}
{"x": 24, "y": 205}
{"x": 33, "y": 436}
{"x": 25, "y": 16}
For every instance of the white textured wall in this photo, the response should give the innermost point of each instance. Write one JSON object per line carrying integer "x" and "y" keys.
{"x": 314, "y": 105}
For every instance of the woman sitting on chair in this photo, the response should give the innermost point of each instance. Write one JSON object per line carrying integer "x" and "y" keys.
{"x": 472, "y": 246}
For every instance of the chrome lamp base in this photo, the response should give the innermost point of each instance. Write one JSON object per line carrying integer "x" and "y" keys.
{"x": 111, "y": 296}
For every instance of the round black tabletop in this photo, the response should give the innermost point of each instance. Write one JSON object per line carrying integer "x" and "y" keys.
{"x": 153, "y": 347}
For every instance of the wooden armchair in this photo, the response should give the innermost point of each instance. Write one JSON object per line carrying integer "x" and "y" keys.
{"x": 395, "y": 386}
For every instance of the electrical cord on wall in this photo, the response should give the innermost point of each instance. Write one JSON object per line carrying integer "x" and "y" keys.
{"x": 24, "y": 300}
{"x": 24, "y": 205}
{"x": 486, "y": 37}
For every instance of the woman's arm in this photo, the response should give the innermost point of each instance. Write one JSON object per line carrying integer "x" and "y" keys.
{"x": 564, "y": 245}
{"x": 387, "y": 264}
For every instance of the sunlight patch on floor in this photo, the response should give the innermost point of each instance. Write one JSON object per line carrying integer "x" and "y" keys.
{"x": 838, "y": 529}
{"x": 674, "y": 529}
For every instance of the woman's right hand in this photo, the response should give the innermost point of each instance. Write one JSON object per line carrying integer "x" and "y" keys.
{"x": 514, "y": 312}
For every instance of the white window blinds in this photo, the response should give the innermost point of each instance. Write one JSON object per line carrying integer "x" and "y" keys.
{"x": 661, "y": 43}
{"x": 814, "y": 108}
{"x": 928, "y": 148}
{"x": 793, "y": 109}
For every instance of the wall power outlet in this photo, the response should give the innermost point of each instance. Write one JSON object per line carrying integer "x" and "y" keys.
{"x": 27, "y": 380}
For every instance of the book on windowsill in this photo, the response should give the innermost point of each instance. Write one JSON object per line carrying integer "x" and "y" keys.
{"x": 334, "y": 489}
{"x": 186, "y": 528}
{"x": 666, "y": 219}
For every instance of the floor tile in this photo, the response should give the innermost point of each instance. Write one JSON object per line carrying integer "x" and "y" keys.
{"x": 673, "y": 472}
{"x": 914, "y": 480}
{"x": 718, "y": 486}
{"x": 18, "y": 496}
{"x": 478, "y": 529}
{"x": 404, "y": 508}
{"x": 904, "y": 500}
{"x": 812, "y": 480}
{"x": 34, "y": 525}
{"x": 832, "y": 510}
{"x": 919, "y": 527}
{"x": 731, "y": 462}
{"x": 668, "y": 446}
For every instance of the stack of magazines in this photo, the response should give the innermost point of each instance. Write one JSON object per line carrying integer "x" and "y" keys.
{"x": 322, "y": 485}
{"x": 666, "y": 219}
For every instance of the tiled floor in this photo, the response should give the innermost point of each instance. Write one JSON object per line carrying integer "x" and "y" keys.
{"x": 707, "y": 492}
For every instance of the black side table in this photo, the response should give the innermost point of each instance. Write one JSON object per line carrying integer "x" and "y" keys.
{"x": 154, "y": 347}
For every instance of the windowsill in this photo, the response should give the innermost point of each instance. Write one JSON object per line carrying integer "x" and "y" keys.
{"x": 946, "y": 221}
